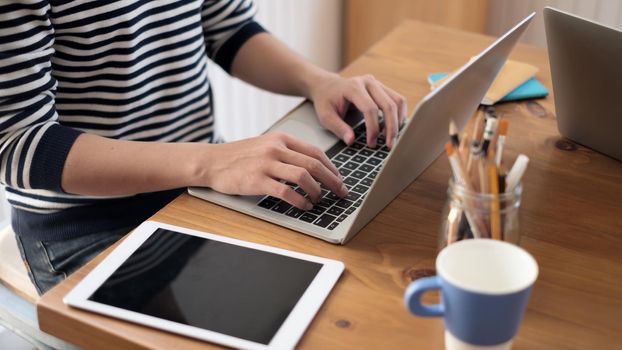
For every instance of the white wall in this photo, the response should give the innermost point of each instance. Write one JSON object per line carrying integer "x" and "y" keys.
{"x": 313, "y": 29}
{"x": 503, "y": 14}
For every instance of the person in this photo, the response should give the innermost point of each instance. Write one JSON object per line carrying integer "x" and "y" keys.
{"x": 106, "y": 115}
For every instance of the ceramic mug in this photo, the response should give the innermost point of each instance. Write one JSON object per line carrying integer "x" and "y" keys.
{"x": 485, "y": 287}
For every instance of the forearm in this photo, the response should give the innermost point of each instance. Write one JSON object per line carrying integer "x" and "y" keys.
{"x": 101, "y": 166}
{"x": 267, "y": 63}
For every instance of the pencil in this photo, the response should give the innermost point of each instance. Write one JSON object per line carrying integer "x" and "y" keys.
{"x": 501, "y": 182}
{"x": 464, "y": 229}
{"x": 483, "y": 175}
{"x": 464, "y": 146}
{"x": 473, "y": 150}
{"x": 495, "y": 215}
{"x": 455, "y": 214}
{"x": 453, "y": 225}
{"x": 453, "y": 134}
{"x": 457, "y": 167}
{"x": 502, "y": 204}
{"x": 494, "y": 141}
{"x": 462, "y": 179}
{"x": 503, "y": 130}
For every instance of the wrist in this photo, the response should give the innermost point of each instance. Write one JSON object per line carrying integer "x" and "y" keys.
{"x": 200, "y": 163}
{"x": 314, "y": 80}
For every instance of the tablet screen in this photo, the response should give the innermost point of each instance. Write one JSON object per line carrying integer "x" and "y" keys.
{"x": 229, "y": 289}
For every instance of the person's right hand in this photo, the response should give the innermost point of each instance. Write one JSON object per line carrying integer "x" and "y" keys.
{"x": 255, "y": 166}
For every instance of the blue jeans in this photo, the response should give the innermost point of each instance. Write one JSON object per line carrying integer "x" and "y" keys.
{"x": 50, "y": 262}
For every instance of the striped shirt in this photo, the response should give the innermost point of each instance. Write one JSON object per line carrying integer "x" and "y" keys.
{"x": 131, "y": 69}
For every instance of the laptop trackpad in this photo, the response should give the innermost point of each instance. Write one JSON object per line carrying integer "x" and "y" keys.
{"x": 303, "y": 125}
{"x": 320, "y": 138}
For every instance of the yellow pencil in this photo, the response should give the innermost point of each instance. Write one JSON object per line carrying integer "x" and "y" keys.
{"x": 495, "y": 215}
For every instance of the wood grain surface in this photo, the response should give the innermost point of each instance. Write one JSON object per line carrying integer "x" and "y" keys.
{"x": 571, "y": 221}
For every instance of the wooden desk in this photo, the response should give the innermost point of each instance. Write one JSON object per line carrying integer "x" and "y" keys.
{"x": 571, "y": 222}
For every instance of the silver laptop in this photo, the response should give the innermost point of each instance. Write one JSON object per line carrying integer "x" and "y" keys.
{"x": 586, "y": 67}
{"x": 376, "y": 176}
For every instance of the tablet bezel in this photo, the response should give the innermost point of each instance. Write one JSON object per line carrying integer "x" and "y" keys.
{"x": 287, "y": 336}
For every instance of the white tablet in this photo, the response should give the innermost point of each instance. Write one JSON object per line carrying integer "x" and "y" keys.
{"x": 214, "y": 288}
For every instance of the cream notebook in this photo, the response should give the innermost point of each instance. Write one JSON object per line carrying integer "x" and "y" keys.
{"x": 512, "y": 75}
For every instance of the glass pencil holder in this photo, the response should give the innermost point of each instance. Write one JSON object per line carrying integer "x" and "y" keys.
{"x": 468, "y": 214}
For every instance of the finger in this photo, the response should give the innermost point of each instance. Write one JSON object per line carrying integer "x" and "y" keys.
{"x": 400, "y": 101}
{"x": 299, "y": 146}
{"x": 364, "y": 103}
{"x": 317, "y": 171}
{"x": 298, "y": 175}
{"x": 334, "y": 123}
{"x": 284, "y": 192}
{"x": 389, "y": 109}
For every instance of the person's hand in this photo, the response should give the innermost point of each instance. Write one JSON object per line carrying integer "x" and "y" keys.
{"x": 254, "y": 167}
{"x": 333, "y": 94}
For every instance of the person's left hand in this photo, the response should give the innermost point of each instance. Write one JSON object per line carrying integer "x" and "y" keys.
{"x": 333, "y": 94}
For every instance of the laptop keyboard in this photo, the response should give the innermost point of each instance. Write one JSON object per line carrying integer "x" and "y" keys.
{"x": 358, "y": 165}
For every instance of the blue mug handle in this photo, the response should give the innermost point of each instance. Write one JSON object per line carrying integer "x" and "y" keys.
{"x": 412, "y": 297}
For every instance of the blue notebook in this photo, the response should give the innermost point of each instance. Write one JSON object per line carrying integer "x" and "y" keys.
{"x": 532, "y": 88}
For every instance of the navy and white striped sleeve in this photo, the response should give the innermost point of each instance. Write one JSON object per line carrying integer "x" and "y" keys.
{"x": 227, "y": 25}
{"x": 33, "y": 146}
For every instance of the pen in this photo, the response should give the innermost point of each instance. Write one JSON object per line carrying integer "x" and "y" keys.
{"x": 491, "y": 111}
{"x": 516, "y": 173}
{"x": 478, "y": 125}
{"x": 489, "y": 132}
